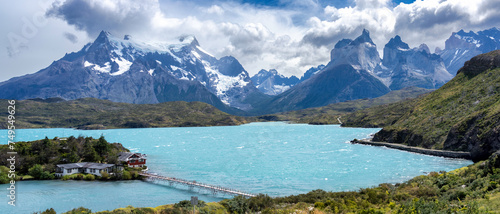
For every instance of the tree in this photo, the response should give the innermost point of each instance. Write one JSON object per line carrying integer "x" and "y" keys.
{"x": 238, "y": 204}
{"x": 260, "y": 202}
{"x": 102, "y": 146}
{"x": 89, "y": 153}
{"x": 36, "y": 171}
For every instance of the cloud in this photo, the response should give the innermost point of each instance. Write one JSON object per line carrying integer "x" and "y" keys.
{"x": 93, "y": 16}
{"x": 291, "y": 37}
{"x": 423, "y": 21}
{"x": 214, "y": 9}
{"x": 71, "y": 37}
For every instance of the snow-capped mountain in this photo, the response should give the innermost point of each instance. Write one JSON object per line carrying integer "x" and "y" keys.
{"x": 403, "y": 66}
{"x": 348, "y": 76}
{"x": 126, "y": 70}
{"x": 272, "y": 83}
{"x": 311, "y": 72}
{"x": 462, "y": 46}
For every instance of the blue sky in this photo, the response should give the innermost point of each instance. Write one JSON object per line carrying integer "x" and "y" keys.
{"x": 288, "y": 35}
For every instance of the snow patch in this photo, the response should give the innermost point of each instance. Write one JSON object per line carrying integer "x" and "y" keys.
{"x": 151, "y": 71}
{"x": 123, "y": 66}
{"x": 222, "y": 82}
{"x": 203, "y": 51}
{"x": 105, "y": 69}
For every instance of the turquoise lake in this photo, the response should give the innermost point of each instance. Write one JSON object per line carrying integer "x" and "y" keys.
{"x": 276, "y": 158}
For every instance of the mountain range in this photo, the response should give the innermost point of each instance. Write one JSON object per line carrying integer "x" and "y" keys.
{"x": 132, "y": 71}
{"x": 271, "y": 82}
{"x": 125, "y": 70}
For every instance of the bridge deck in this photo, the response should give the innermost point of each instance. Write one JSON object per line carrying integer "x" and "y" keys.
{"x": 213, "y": 188}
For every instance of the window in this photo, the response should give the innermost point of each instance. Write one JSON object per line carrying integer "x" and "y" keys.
{"x": 68, "y": 170}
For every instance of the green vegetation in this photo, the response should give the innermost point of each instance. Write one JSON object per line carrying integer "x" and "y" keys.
{"x": 329, "y": 114}
{"x": 90, "y": 113}
{"x": 38, "y": 159}
{"x": 472, "y": 189}
{"x": 463, "y": 115}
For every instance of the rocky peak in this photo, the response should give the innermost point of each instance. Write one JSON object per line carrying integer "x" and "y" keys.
{"x": 396, "y": 43}
{"x": 189, "y": 39}
{"x": 424, "y": 48}
{"x": 363, "y": 38}
{"x": 361, "y": 53}
{"x": 481, "y": 63}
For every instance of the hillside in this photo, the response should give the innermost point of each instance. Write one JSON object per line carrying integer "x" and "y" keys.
{"x": 471, "y": 189}
{"x": 463, "y": 115}
{"x": 329, "y": 114}
{"x": 91, "y": 113}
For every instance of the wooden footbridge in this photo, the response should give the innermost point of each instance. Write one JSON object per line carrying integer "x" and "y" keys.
{"x": 192, "y": 184}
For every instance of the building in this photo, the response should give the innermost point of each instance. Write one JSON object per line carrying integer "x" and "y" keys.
{"x": 132, "y": 159}
{"x": 86, "y": 167}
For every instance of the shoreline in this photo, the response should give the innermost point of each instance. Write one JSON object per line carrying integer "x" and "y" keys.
{"x": 433, "y": 152}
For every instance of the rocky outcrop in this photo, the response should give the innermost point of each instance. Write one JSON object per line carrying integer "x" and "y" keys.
{"x": 481, "y": 63}
{"x": 473, "y": 135}
{"x": 463, "y": 115}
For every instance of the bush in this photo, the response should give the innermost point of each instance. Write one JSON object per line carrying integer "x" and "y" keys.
{"x": 46, "y": 175}
{"x": 89, "y": 177}
{"x": 36, "y": 171}
{"x": 104, "y": 176}
{"x": 319, "y": 205}
{"x": 79, "y": 210}
{"x": 66, "y": 177}
{"x": 47, "y": 211}
{"x": 79, "y": 176}
{"x": 260, "y": 202}
{"x": 126, "y": 175}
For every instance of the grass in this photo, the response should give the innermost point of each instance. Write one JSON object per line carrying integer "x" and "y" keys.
{"x": 329, "y": 114}
{"x": 91, "y": 113}
{"x": 463, "y": 115}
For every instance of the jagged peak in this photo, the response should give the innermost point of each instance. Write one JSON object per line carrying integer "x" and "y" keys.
{"x": 363, "y": 38}
{"x": 424, "y": 47}
{"x": 342, "y": 43}
{"x": 103, "y": 37}
{"x": 189, "y": 39}
{"x": 396, "y": 42}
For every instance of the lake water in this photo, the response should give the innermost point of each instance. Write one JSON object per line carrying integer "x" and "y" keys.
{"x": 278, "y": 159}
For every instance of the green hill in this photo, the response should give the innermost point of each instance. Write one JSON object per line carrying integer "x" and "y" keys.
{"x": 463, "y": 115}
{"x": 329, "y": 114}
{"x": 91, "y": 113}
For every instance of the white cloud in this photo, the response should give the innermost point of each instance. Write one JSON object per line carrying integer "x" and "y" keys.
{"x": 214, "y": 9}
{"x": 290, "y": 39}
{"x": 423, "y": 21}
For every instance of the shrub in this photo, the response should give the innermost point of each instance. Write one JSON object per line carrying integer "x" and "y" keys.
{"x": 46, "y": 175}
{"x": 126, "y": 175}
{"x": 36, "y": 171}
{"x": 319, "y": 205}
{"x": 260, "y": 202}
{"x": 104, "y": 176}
{"x": 66, "y": 177}
{"x": 79, "y": 210}
{"x": 89, "y": 177}
{"x": 79, "y": 176}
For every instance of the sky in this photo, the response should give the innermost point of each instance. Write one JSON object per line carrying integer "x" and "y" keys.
{"x": 288, "y": 35}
